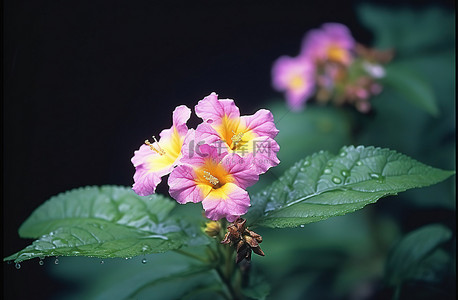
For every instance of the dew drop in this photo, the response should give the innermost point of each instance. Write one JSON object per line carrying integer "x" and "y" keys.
{"x": 379, "y": 178}
{"x": 374, "y": 176}
{"x": 330, "y": 164}
{"x": 56, "y": 261}
{"x": 302, "y": 169}
{"x": 302, "y": 226}
{"x": 343, "y": 153}
{"x": 18, "y": 266}
{"x": 102, "y": 262}
{"x": 336, "y": 180}
{"x": 344, "y": 173}
{"x": 327, "y": 171}
{"x": 359, "y": 163}
{"x": 209, "y": 121}
{"x": 41, "y": 262}
{"x": 306, "y": 163}
{"x": 144, "y": 248}
{"x": 144, "y": 261}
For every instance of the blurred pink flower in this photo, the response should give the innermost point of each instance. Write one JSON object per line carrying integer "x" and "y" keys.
{"x": 332, "y": 42}
{"x": 296, "y": 77}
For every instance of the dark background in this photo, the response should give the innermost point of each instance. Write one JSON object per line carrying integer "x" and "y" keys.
{"x": 86, "y": 82}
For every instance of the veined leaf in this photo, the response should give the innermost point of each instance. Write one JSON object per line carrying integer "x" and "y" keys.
{"x": 117, "y": 205}
{"x": 325, "y": 185}
{"x": 103, "y": 222}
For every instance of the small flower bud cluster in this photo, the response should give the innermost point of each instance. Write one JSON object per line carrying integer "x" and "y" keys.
{"x": 244, "y": 240}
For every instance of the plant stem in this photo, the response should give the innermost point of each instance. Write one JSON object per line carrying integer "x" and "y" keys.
{"x": 227, "y": 283}
{"x": 397, "y": 292}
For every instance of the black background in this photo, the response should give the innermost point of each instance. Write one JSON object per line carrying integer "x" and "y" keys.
{"x": 86, "y": 82}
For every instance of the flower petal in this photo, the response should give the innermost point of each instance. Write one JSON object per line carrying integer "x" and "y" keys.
{"x": 261, "y": 123}
{"x": 210, "y": 109}
{"x": 145, "y": 182}
{"x": 332, "y": 41}
{"x": 241, "y": 169}
{"x": 263, "y": 156}
{"x": 181, "y": 115}
{"x": 153, "y": 161}
{"x": 229, "y": 201}
{"x": 183, "y": 185}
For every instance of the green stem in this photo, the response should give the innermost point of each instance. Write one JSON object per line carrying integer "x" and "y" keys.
{"x": 397, "y": 292}
{"x": 227, "y": 283}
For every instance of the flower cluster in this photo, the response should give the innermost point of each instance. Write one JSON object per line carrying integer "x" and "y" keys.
{"x": 331, "y": 66}
{"x": 212, "y": 164}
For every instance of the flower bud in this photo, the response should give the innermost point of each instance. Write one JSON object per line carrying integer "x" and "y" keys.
{"x": 212, "y": 228}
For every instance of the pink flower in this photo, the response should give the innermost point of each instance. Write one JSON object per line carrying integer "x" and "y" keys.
{"x": 209, "y": 177}
{"x": 331, "y": 42}
{"x": 157, "y": 159}
{"x": 250, "y": 136}
{"x": 295, "y": 76}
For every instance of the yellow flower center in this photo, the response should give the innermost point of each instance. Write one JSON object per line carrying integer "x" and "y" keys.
{"x": 159, "y": 150}
{"x": 213, "y": 174}
{"x": 212, "y": 179}
{"x": 237, "y": 137}
{"x": 336, "y": 53}
{"x": 296, "y": 82}
{"x": 169, "y": 151}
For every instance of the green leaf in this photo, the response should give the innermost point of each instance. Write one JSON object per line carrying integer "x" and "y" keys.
{"x": 416, "y": 256}
{"x": 324, "y": 185}
{"x": 320, "y": 127}
{"x": 409, "y": 84}
{"x": 133, "y": 278}
{"x": 103, "y": 222}
{"x": 409, "y": 31}
{"x": 117, "y": 205}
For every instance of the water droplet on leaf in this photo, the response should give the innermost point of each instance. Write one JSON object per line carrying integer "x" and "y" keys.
{"x": 327, "y": 171}
{"x": 18, "y": 266}
{"x": 41, "y": 262}
{"x": 359, "y": 163}
{"x": 336, "y": 180}
{"x": 302, "y": 226}
{"x": 102, "y": 262}
{"x": 56, "y": 261}
{"x": 343, "y": 153}
{"x": 144, "y": 261}
{"x": 306, "y": 163}
{"x": 344, "y": 173}
{"x": 379, "y": 178}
